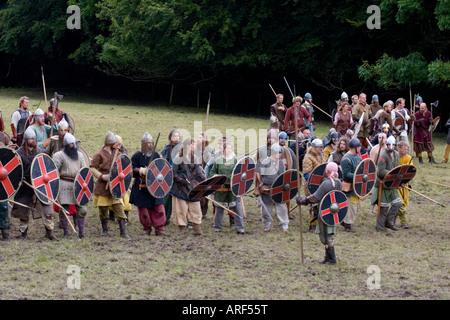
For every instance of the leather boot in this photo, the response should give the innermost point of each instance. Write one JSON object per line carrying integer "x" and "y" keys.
{"x": 80, "y": 222}
{"x": 104, "y": 227}
{"x": 64, "y": 225}
{"x": 197, "y": 229}
{"x": 5, "y": 235}
{"x": 23, "y": 235}
{"x": 332, "y": 260}
{"x": 420, "y": 160}
{"x": 327, "y": 257}
{"x": 49, "y": 234}
{"x": 182, "y": 229}
{"x": 431, "y": 160}
{"x": 123, "y": 232}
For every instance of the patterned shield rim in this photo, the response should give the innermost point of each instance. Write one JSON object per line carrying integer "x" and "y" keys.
{"x": 333, "y": 208}
{"x": 435, "y": 123}
{"x": 47, "y": 178}
{"x": 207, "y": 187}
{"x": 285, "y": 186}
{"x": 86, "y": 157}
{"x": 365, "y": 177}
{"x": 317, "y": 175}
{"x": 83, "y": 186}
{"x": 159, "y": 179}
{"x": 70, "y": 121}
{"x": 243, "y": 176}
{"x": 11, "y": 173}
{"x": 399, "y": 176}
{"x": 120, "y": 176}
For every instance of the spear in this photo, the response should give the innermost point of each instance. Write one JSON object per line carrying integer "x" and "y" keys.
{"x": 55, "y": 203}
{"x": 438, "y": 184}
{"x": 420, "y": 194}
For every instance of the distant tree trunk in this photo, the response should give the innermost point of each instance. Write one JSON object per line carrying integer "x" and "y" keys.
{"x": 259, "y": 103}
{"x": 226, "y": 103}
{"x": 171, "y": 95}
{"x": 198, "y": 98}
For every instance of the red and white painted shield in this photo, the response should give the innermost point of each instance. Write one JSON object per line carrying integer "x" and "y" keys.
{"x": 11, "y": 173}
{"x": 159, "y": 178}
{"x": 207, "y": 187}
{"x": 45, "y": 178}
{"x": 243, "y": 176}
{"x": 120, "y": 176}
{"x": 285, "y": 187}
{"x": 333, "y": 208}
{"x": 83, "y": 186}
{"x": 364, "y": 177}
{"x": 399, "y": 176}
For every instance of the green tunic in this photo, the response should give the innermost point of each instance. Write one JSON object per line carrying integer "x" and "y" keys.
{"x": 225, "y": 167}
{"x": 385, "y": 164}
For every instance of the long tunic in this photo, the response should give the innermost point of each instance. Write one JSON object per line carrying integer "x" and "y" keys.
{"x": 189, "y": 172}
{"x": 102, "y": 161}
{"x": 290, "y": 118}
{"x": 225, "y": 167}
{"x": 141, "y": 197}
{"x": 421, "y": 133}
{"x": 402, "y": 191}
{"x": 68, "y": 169}
{"x": 349, "y": 163}
{"x": 357, "y": 112}
{"x": 385, "y": 164}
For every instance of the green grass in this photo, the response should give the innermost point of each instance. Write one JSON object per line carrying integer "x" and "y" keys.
{"x": 413, "y": 263}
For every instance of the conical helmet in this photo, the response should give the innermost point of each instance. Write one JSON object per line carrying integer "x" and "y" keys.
{"x": 110, "y": 138}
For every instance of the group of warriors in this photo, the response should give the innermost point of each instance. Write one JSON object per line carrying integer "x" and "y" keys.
{"x": 381, "y": 134}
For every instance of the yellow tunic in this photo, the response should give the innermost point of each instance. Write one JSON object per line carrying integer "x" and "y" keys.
{"x": 403, "y": 192}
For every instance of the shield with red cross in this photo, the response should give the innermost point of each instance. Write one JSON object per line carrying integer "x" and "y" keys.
{"x": 333, "y": 208}
{"x": 285, "y": 187}
{"x": 399, "y": 176}
{"x": 364, "y": 177}
{"x": 45, "y": 178}
{"x": 11, "y": 173}
{"x": 242, "y": 176}
{"x": 317, "y": 175}
{"x": 83, "y": 186}
{"x": 120, "y": 176}
{"x": 207, "y": 187}
{"x": 159, "y": 178}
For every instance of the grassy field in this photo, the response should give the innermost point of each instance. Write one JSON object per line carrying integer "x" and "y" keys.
{"x": 413, "y": 263}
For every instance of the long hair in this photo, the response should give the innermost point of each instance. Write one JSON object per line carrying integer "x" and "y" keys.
{"x": 186, "y": 155}
{"x": 337, "y": 147}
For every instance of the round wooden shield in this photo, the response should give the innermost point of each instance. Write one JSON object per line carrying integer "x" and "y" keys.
{"x": 285, "y": 187}
{"x": 243, "y": 176}
{"x": 399, "y": 176}
{"x": 45, "y": 178}
{"x": 11, "y": 173}
{"x": 69, "y": 120}
{"x": 207, "y": 187}
{"x": 333, "y": 208}
{"x": 83, "y": 186}
{"x": 87, "y": 159}
{"x": 434, "y": 125}
{"x": 317, "y": 175}
{"x": 364, "y": 177}
{"x": 120, "y": 176}
{"x": 159, "y": 178}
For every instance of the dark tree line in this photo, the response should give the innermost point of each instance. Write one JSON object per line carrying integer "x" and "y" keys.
{"x": 232, "y": 48}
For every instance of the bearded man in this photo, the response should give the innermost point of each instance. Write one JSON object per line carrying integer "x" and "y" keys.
{"x": 69, "y": 161}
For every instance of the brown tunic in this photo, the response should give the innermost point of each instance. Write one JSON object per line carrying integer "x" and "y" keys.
{"x": 102, "y": 161}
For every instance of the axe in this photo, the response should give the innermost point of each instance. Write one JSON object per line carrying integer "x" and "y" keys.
{"x": 60, "y": 97}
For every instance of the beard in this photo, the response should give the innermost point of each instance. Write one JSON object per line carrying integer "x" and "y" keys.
{"x": 71, "y": 152}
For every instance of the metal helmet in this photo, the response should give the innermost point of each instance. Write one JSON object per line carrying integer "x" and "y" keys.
{"x": 119, "y": 139}
{"x": 349, "y": 132}
{"x": 308, "y": 95}
{"x": 354, "y": 143}
{"x": 68, "y": 139}
{"x": 39, "y": 112}
{"x": 391, "y": 142}
{"x": 147, "y": 137}
{"x": 375, "y": 98}
{"x": 317, "y": 143}
{"x": 52, "y": 100}
{"x": 110, "y": 138}
{"x": 344, "y": 95}
{"x": 273, "y": 118}
{"x": 276, "y": 148}
{"x": 63, "y": 125}
{"x": 282, "y": 135}
{"x": 29, "y": 134}
{"x": 385, "y": 125}
{"x": 419, "y": 99}
{"x": 334, "y": 135}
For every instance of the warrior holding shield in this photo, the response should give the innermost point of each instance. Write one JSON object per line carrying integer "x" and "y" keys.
{"x": 326, "y": 232}
{"x": 150, "y": 209}
{"x": 26, "y": 196}
{"x": 101, "y": 167}
{"x": 69, "y": 161}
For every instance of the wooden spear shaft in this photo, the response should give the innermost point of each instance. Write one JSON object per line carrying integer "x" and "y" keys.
{"x": 54, "y": 202}
{"x": 43, "y": 84}
{"x": 299, "y": 184}
{"x": 438, "y": 184}
{"x": 420, "y": 194}
{"x": 223, "y": 207}
{"x": 322, "y": 111}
